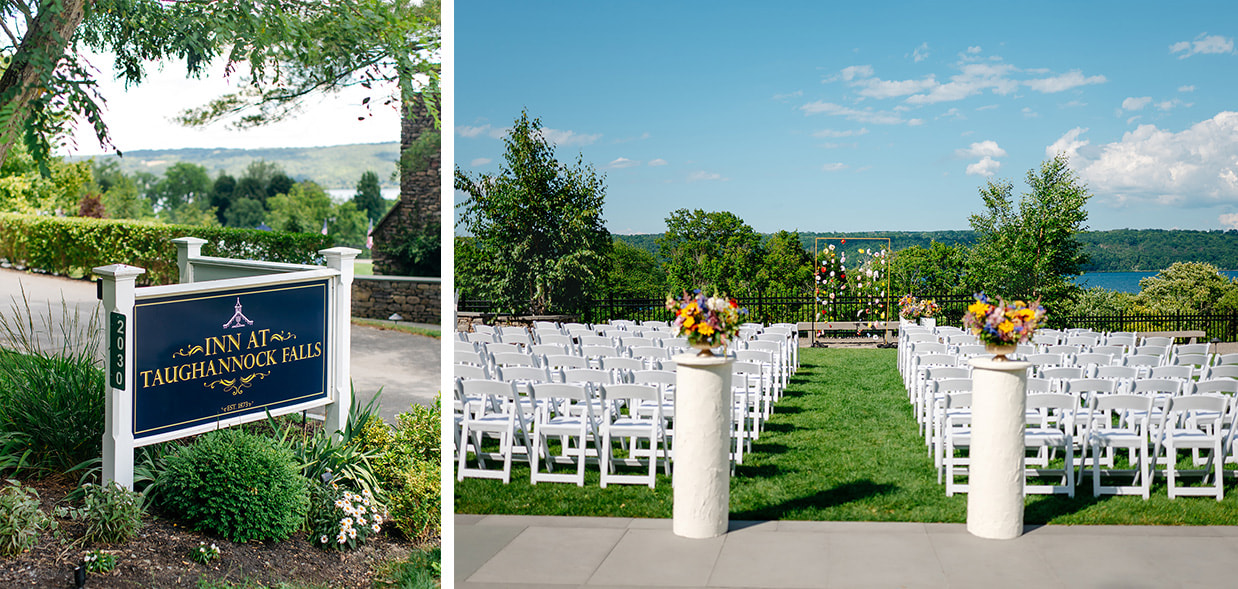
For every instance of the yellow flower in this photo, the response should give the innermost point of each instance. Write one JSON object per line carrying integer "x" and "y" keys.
{"x": 1006, "y": 326}
{"x": 687, "y": 322}
{"x": 979, "y": 309}
{"x": 705, "y": 329}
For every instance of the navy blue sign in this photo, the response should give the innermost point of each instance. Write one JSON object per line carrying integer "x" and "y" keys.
{"x": 202, "y": 357}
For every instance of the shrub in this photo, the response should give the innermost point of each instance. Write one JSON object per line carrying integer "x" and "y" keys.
{"x": 113, "y": 513}
{"x": 421, "y": 570}
{"x": 21, "y": 520}
{"x": 51, "y": 391}
{"x": 74, "y": 245}
{"x": 408, "y": 469}
{"x": 238, "y": 485}
{"x": 97, "y": 561}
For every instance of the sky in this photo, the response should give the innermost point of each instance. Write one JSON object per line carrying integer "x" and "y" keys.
{"x": 862, "y": 116}
{"x": 141, "y": 117}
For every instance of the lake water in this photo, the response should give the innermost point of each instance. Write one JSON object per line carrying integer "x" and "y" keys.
{"x": 1124, "y": 281}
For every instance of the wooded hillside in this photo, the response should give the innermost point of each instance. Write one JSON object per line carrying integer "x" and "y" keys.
{"x": 1120, "y": 250}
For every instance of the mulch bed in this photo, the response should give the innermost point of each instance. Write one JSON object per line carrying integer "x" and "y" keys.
{"x": 159, "y": 556}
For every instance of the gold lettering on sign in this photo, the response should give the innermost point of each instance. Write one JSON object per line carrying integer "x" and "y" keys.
{"x": 231, "y": 354}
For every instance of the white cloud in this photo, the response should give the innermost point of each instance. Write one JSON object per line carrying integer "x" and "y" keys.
{"x": 1133, "y": 103}
{"x": 975, "y": 78}
{"x": 834, "y": 167}
{"x": 915, "y": 122}
{"x": 921, "y": 53}
{"x": 1029, "y": 113}
{"x": 795, "y": 94}
{"x": 700, "y": 175}
{"x": 1066, "y": 81}
{"x": 657, "y": 162}
{"x": 1192, "y": 167}
{"x": 480, "y": 130}
{"x": 985, "y": 167}
{"x": 481, "y": 161}
{"x": 623, "y": 162}
{"x": 863, "y": 116}
{"x": 1171, "y": 104}
{"x": 852, "y": 72}
{"x": 1229, "y": 220}
{"x": 973, "y": 49}
{"x": 988, "y": 148}
{"x": 878, "y": 88}
{"x": 558, "y": 137}
{"x": 953, "y": 113}
{"x": 1068, "y": 144}
{"x": 1204, "y": 43}
{"x": 846, "y": 133}
{"x": 1186, "y": 88}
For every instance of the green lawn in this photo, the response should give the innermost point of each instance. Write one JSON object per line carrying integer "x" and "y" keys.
{"x": 842, "y": 446}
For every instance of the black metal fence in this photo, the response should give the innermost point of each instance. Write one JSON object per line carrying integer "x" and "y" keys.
{"x": 802, "y": 307}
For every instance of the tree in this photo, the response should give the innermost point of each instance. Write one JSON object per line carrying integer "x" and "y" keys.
{"x": 369, "y": 196}
{"x": 937, "y": 269}
{"x": 786, "y": 268}
{"x": 245, "y": 213}
{"x": 1032, "y": 250}
{"x": 634, "y": 272}
{"x": 539, "y": 224}
{"x": 184, "y": 194}
{"x": 303, "y": 209}
{"x": 714, "y": 250}
{"x": 1187, "y": 287}
{"x": 124, "y": 200}
{"x": 46, "y": 84}
{"x": 221, "y": 195}
{"x": 24, "y": 189}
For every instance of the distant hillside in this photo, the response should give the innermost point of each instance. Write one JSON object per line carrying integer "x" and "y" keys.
{"x": 1120, "y": 250}
{"x": 337, "y": 166}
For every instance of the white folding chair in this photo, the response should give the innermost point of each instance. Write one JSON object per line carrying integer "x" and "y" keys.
{"x": 568, "y": 413}
{"x": 1107, "y": 430}
{"x": 1052, "y": 428}
{"x": 633, "y": 428}
{"x": 1194, "y": 422}
{"x": 510, "y": 423}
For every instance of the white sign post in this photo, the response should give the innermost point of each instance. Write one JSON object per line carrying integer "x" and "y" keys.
{"x": 118, "y": 295}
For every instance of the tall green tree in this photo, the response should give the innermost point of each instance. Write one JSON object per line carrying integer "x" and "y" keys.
{"x": 538, "y": 222}
{"x": 710, "y": 250}
{"x": 786, "y": 268}
{"x": 184, "y": 194}
{"x": 634, "y": 272}
{"x": 1030, "y": 247}
{"x": 369, "y": 196}
{"x": 303, "y": 209}
{"x": 937, "y": 269}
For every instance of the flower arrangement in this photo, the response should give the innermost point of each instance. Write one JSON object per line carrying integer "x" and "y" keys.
{"x": 705, "y": 321}
{"x": 1001, "y": 324}
{"x": 911, "y": 308}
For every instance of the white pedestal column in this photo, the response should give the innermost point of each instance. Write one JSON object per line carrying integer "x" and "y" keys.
{"x": 702, "y": 467}
{"x": 995, "y": 482}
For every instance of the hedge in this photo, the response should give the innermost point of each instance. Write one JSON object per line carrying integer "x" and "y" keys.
{"x": 71, "y": 246}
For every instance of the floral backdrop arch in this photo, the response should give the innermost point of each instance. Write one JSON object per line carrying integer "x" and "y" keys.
{"x": 852, "y": 281}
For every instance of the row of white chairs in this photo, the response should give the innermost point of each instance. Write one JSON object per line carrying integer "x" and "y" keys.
{"x": 1091, "y": 407}
{"x": 1090, "y": 420}
{"x": 758, "y": 379}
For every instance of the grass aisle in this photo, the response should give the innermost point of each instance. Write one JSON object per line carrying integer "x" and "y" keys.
{"x": 842, "y": 446}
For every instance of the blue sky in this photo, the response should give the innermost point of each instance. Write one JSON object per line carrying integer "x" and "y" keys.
{"x": 823, "y": 116}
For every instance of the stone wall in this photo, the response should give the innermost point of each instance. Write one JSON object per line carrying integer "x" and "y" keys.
{"x": 414, "y": 299}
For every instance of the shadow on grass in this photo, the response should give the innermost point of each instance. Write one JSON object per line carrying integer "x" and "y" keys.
{"x": 781, "y": 428}
{"x": 1050, "y": 507}
{"x": 787, "y": 410}
{"x": 751, "y": 471}
{"x": 821, "y": 500}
